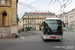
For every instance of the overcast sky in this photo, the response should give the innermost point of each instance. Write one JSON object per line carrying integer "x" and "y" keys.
{"x": 42, "y": 5}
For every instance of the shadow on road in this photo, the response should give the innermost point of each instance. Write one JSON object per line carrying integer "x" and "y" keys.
{"x": 53, "y": 41}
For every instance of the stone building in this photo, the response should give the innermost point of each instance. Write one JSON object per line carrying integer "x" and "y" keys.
{"x": 19, "y": 25}
{"x": 68, "y": 18}
{"x": 8, "y": 17}
{"x": 35, "y": 19}
{"x": 64, "y": 17}
{"x": 71, "y": 15}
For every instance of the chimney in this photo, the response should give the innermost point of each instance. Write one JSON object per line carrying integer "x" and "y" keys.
{"x": 25, "y": 12}
{"x": 72, "y": 9}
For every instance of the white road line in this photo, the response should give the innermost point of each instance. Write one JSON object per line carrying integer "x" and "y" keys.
{"x": 26, "y": 36}
{"x": 21, "y": 36}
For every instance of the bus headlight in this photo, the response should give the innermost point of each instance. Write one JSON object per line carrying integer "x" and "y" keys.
{"x": 46, "y": 35}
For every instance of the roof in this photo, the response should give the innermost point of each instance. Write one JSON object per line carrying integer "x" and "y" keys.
{"x": 37, "y": 13}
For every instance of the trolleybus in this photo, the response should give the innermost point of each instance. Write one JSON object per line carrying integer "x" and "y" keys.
{"x": 52, "y": 28}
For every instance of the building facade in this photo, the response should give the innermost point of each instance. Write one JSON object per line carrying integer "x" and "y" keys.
{"x": 71, "y": 15}
{"x": 8, "y": 17}
{"x": 68, "y": 18}
{"x": 35, "y": 19}
{"x": 65, "y": 18}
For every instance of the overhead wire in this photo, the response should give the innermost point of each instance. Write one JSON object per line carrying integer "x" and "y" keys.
{"x": 27, "y": 5}
{"x": 63, "y": 1}
{"x": 68, "y": 4}
{"x": 64, "y": 5}
{"x": 49, "y": 4}
{"x": 33, "y": 8}
{"x": 59, "y": 3}
{"x": 54, "y": 2}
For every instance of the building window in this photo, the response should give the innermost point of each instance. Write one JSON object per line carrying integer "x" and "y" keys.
{"x": 26, "y": 22}
{"x": 28, "y": 25}
{"x": 4, "y": 2}
{"x": 26, "y": 17}
{"x": 35, "y": 25}
{"x": 30, "y": 16}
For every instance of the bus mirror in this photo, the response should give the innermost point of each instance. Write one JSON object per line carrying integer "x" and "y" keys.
{"x": 63, "y": 24}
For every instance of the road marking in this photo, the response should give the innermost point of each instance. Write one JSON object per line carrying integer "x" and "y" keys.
{"x": 69, "y": 33}
{"x": 26, "y": 36}
{"x": 29, "y": 36}
{"x": 21, "y": 36}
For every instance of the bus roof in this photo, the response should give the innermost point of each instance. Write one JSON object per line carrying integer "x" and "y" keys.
{"x": 52, "y": 19}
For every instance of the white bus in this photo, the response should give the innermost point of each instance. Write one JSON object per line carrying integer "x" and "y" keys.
{"x": 52, "y": 28}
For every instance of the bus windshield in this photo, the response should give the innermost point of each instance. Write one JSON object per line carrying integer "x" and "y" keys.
{"x": 53, "y": 25}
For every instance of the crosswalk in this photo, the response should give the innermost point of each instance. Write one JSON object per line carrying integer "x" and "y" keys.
{"x": 69, "y": 33}
{"x": 24, "y": 37}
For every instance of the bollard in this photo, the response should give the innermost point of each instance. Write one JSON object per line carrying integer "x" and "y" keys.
{"x": 1, "y": 37}
{"x": 13, "y": 35}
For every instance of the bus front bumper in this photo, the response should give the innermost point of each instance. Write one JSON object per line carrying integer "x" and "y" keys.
{"x": 52, "y": 37}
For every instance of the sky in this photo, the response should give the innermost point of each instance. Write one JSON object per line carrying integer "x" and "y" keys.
{"x": 43, "y": 6}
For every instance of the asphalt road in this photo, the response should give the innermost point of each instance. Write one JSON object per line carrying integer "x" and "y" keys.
{"x": 29, "y": 33}
{"x": 36, "y": 43}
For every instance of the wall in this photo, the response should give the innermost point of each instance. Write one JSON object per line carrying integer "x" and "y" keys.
{"x": 12, "y": 18}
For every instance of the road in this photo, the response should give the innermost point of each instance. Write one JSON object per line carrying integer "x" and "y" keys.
{"x": 35, "y": 42}
{"x": 29, "y": 33}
